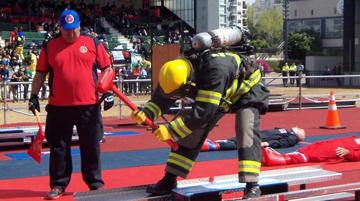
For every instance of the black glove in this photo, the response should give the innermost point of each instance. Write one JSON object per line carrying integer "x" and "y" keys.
{"x": 108, "y": 99}
{"x": 34, "y": 103}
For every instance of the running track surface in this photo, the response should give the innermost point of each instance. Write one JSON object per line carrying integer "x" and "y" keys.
{"x": 33, "y": 187}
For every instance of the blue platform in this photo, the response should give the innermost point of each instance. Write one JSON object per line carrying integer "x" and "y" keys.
{"x": 214, "y": 191}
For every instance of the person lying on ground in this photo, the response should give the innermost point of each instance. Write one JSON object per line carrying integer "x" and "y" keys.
{"x": 333, "y": 150}
{"x": 275, "y": 138}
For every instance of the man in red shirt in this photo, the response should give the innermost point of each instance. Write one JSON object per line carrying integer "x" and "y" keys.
{"x": 13, "y": 35}
{"x": 333, "y": 150}
{"x": 71, "y": 60}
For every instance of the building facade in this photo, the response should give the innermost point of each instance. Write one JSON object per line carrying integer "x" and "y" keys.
{"x": 220, "y": 13}
{"x": 336, "y": 21}
{"x": 321, "y": 16}
{"x": 205, "y": 15}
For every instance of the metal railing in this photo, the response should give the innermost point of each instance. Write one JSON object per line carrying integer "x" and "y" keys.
{"x": 301, "y": 82}
{"x": 14, "y": 91}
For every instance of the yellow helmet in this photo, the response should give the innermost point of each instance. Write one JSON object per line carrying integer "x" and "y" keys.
{"x": 174, "y": 74}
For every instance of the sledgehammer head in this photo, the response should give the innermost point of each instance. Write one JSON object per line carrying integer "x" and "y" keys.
{"x": 106, "y": 80}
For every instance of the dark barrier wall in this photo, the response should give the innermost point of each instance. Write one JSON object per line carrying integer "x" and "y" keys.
{"x": 357, "y": 36}
{"x": 351, "y": 36}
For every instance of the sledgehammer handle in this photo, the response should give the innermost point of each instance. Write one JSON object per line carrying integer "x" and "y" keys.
{"x": 133, "y": 107}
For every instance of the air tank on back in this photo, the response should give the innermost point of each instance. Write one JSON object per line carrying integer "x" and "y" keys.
{"x": 216, "y": 38}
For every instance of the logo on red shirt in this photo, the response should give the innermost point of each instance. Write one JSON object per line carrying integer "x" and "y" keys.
{"x": 83, "y": 49}
{"x": 69, "y": 19}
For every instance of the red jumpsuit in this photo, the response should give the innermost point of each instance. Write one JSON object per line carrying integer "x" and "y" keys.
{"x": 326, "y": 150}
{"x": 317, "y": 152}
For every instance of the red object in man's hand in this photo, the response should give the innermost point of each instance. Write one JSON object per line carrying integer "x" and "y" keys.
{"x": 105, "y": 82}
{"x": 133, "y": 107}
{"x": 36, "y": 146}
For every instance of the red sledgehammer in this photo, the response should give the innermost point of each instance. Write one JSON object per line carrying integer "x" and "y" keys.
{"x": 106, "y": 83}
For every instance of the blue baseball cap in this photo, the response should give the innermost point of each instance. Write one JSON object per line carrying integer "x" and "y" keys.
{"x": 69, "y": 19}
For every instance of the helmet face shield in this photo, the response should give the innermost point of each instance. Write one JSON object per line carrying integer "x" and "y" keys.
{"x": 183, "y": 91}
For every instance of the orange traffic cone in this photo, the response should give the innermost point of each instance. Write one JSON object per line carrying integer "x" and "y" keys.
{"x": 332, "y": 120}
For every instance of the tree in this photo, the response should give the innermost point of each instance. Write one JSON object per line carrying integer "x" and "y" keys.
{"x": 303, "y": 43}
{"x": 270, "y": 27}
{"x": 259, "y": 44}
{"x": 250, "y": 18}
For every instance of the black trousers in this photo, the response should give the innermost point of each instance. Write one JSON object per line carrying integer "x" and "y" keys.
{"x": 58, "y": 132}
{"x": 285, "y": 80}
{"x": 292, "y": 80}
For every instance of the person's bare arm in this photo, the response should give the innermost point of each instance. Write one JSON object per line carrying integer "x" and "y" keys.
{"x": 264, "y": 144}
{"x": 342, "y": 152}
{"x": 37, "y": 82}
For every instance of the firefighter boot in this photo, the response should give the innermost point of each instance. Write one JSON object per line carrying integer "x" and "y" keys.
{"x": 252, "y": 190}
{"x": 164, "y": 186}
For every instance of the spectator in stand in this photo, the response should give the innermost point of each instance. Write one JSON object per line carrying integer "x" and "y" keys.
{"x": 147, "y": 66}
{"x": 27, "y": 75}
{"x": 6, "y": 59}
{"x": 4, "y": 77}
{"x": 135, "y": 74}
{"x": 145, "y": 4}
{"x": 17, "y": 76}
{"x": 13, "y": 35}
{"x": 123, "y": 72}
{"x": 4, "y": 72}
{"x": 12, "y": 70}
{"x": 126, "y": 56}
{"x": 3, "y": 15}
{"x": 143, "y": 85}
{"x": 14, "y": 59}
{"x": 174, "y": 37}
{"x": 21, "y": 34}
{"x": 157, "y": 14}
{"x": 32, "y": 60}
{"x": 8, "y": 47}
{"x": 19, "y": 46}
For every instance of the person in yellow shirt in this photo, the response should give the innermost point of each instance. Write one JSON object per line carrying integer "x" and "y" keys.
{"x": 33, "y": 61}
{"x": 292, "y": 73}
{"x": 146, "y": 63}
{"x": 19, "y": 49}
{"x": 285, "y": 72}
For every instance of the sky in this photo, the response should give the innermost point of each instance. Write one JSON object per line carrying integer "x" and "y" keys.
{"x": 249, "y": 2}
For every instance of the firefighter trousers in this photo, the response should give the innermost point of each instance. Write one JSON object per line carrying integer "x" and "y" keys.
{"x": 247, "y": 123}
{"x": 249, "y": 144}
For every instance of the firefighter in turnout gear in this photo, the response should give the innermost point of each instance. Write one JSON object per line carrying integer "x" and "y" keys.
{"x": 218, "y": 82}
